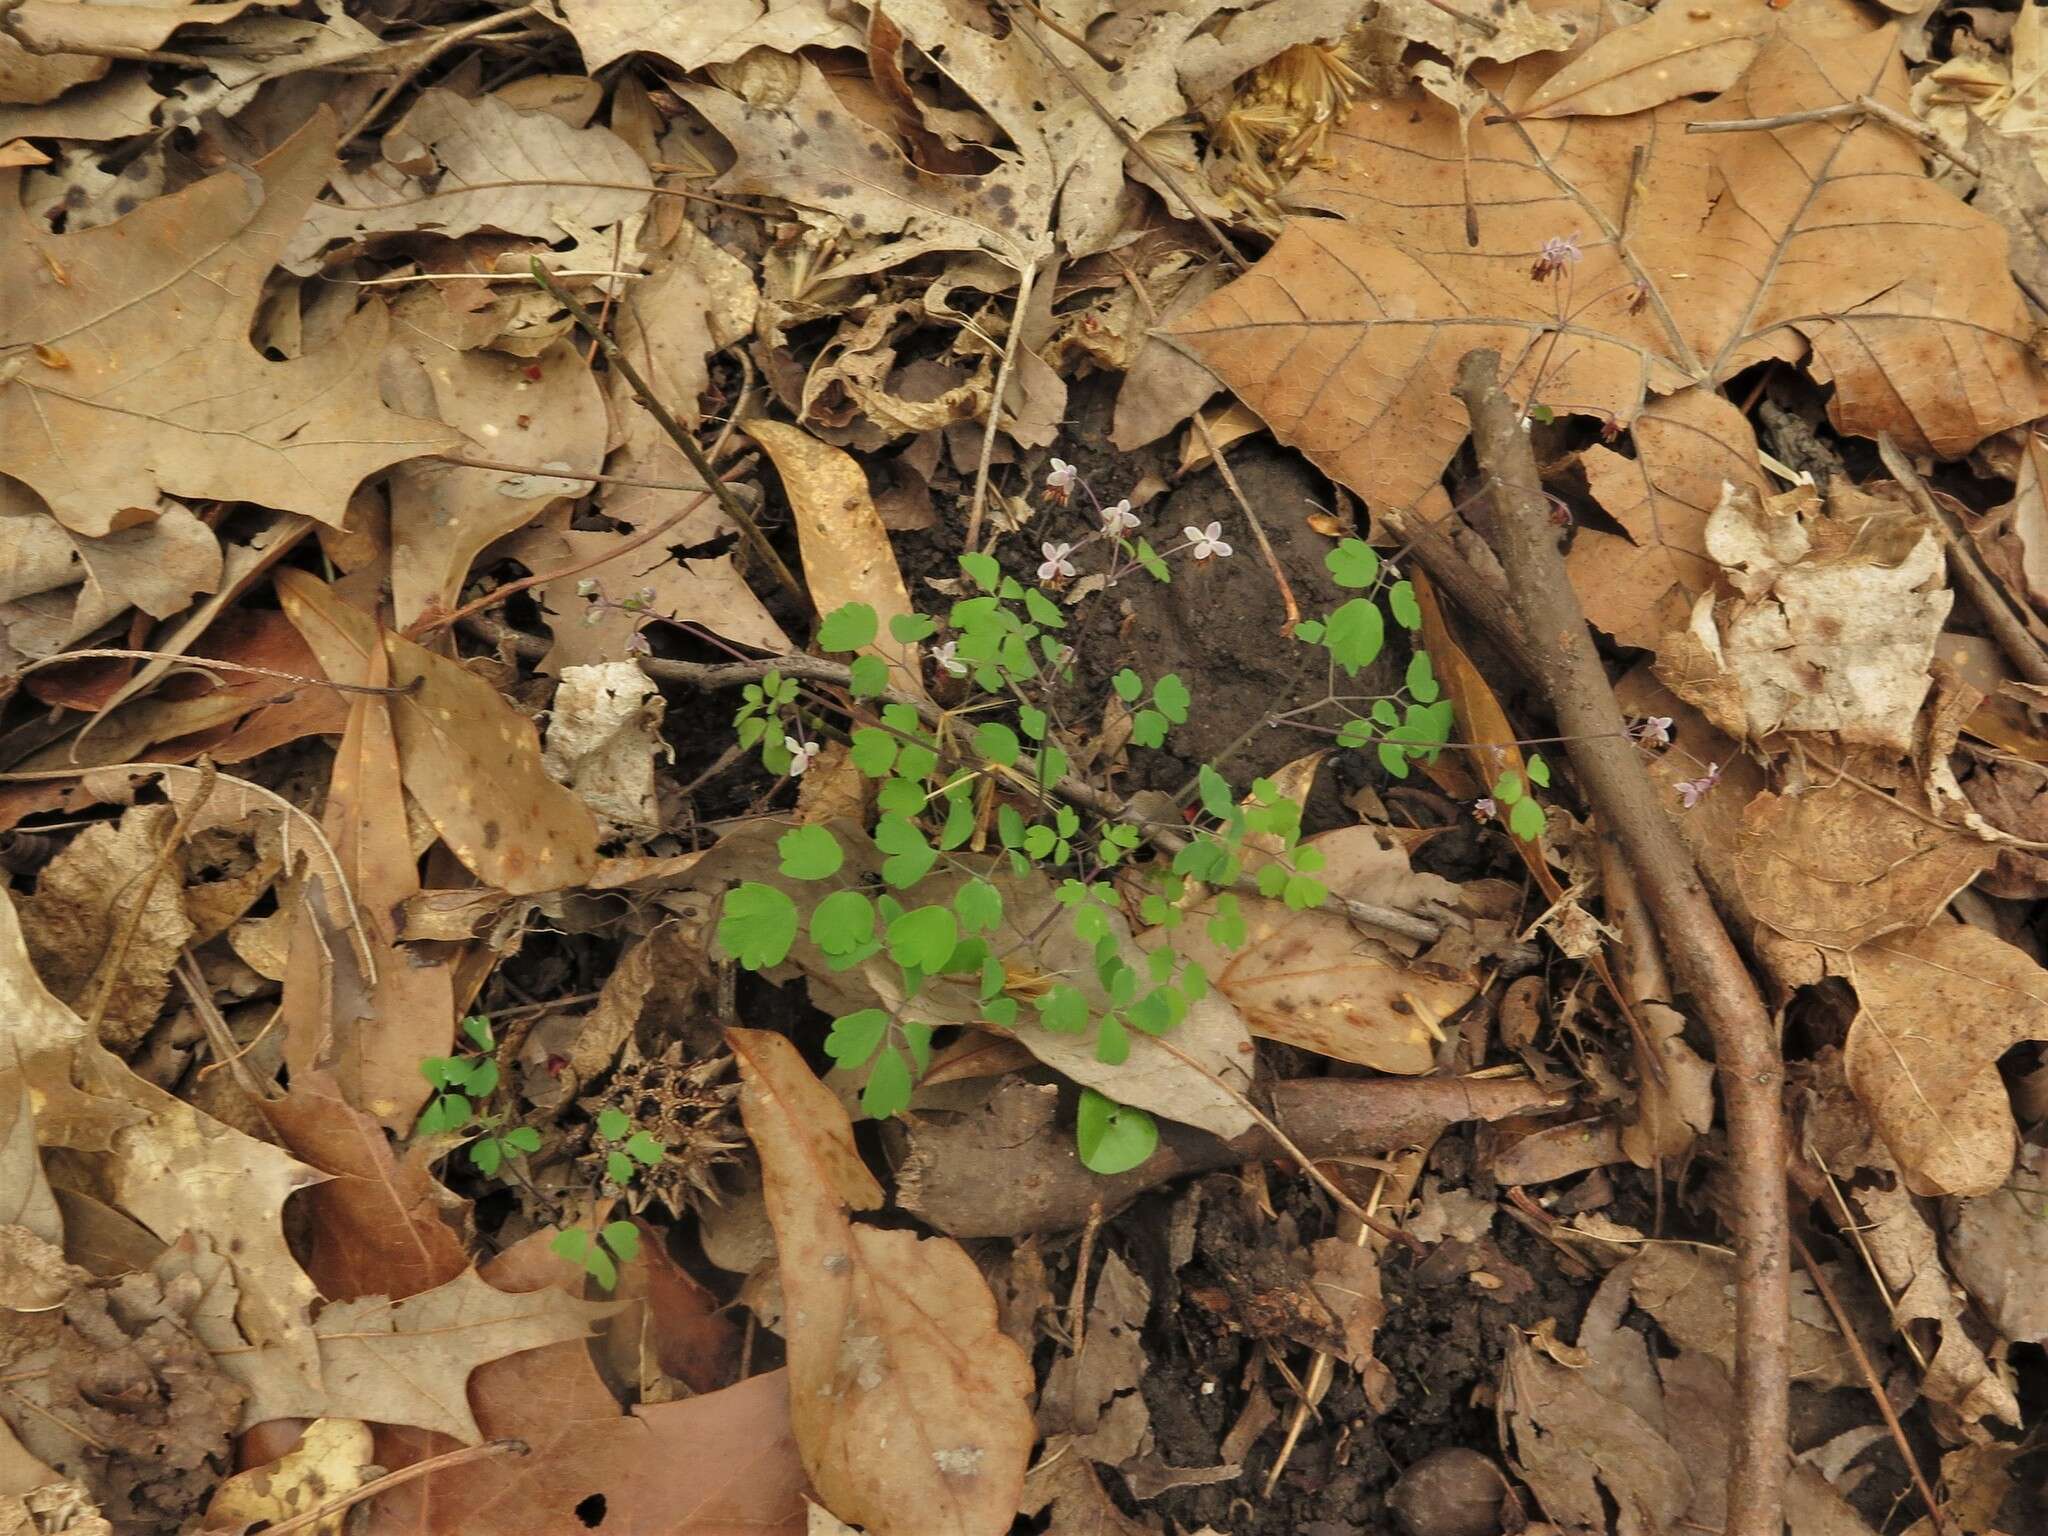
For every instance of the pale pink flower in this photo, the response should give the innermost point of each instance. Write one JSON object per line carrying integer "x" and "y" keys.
{"x": 1653, "y": 731}
{"x": 1119, "y": 517}
{"x": 801, "y": 753}
{"x": 1207, "y": 541}
{"x": 1056, "y": 561}
{"x": 943, "y": 655}
{"x": 1692, "y": 791}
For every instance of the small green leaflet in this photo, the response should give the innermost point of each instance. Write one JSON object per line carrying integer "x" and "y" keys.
{"x": 758, "y": 925}
{"x": 810, "y": 853}
{"x": 1355, "y": 634}
{"x": 857, "y": 1036}
{"x": 842, "y": 922}
{"x": 1171, "y": 696}
{"x": 909, "y": 628}
{"x": 888, "y": 1089}
{"x": 1353, "y": 564}
{"x": 1112, "y": 1137}
{"x": 1526, "y": 820}
{"x": 848, "y": 628}
{"x": 924, "y": 937}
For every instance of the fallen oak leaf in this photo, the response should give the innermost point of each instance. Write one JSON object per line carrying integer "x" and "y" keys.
{"x": 140, "y": 328}
{"x": 911, "y": 1407}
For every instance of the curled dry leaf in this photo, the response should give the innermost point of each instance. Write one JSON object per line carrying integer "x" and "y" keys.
{"x": 446, "y": 169}
{"x": 1998, "y": 1247}
{"x": 1737, "y": 250}
{"x": 1833, "y": 626}
{"x": 1691, "y": 1292}
{"x": 469, "y": 759}
{"x": 332, "y": 1459}
{"x": 1935, "y": 1010}
{"x": 140, "y": 330}
{"x": 709, "y": 32}
{"x": 910, "y": 1405}
{"x": 604, "y": 737}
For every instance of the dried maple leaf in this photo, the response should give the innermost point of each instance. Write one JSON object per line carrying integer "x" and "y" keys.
{"x": 138, "y": 333}
{"x": 911, "y": 1407}
{"x": 1822, "y": 242}
{"x": 707, "y": 32}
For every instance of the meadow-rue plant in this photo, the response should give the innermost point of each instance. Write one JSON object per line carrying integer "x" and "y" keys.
{"x": 1692, "y": 791}
{"x": 461, "y": 1085}
{"x": 975, "y": 812}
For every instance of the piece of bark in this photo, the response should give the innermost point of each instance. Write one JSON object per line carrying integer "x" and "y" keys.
{"x": 1008, "y": 1168}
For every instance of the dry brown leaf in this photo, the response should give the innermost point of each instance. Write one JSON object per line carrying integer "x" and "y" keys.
{"x": 408, "y": 1011}
{"x": 1064, "y": 1479}
{"x": 1936, "y": 1008}
{"x": 404, "y": 1362}
{"x": 1691, "y": 1292}
{"x": 72, "y": 42}
{"x": 468, "y": 758}
{"x": 545, "y": 412}
{"x": 1688, "y": 448}
{"x": 911, "y": 1407}
{"x": 86, "y": 902}
{"x": 1312, "y": 979}
{"x": 1840, "y": 865}
{"x": 720, "y": 1464}
{"x": 709, "y": 32}
{"x": 1998, "y": 1247}
{"x": 1694, "y": 49}
{"x": 1090, "y": 1400}
{"x": 332, "y": 1459}
{"x": 446, "y": 168}
{"x": 1833, "y": 624}
{"x": 376, "y": 1226}
{"x": 847, "y": 554}
{"x": 149, "y": 319}
{"x": 1738, "y": 250}
{"x": 25, "y": 1198}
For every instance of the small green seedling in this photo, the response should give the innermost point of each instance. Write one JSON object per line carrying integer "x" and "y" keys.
{"x": 616, "y": 1243}
{"x": 459, "y": 1082}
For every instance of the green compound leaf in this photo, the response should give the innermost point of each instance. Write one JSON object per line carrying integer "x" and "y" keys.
{"x": 842, "y": 922}
{"x": 1353, "y": 564}
{"x": 809, "y": 853}
{"x": 1356, "y": 634}
{"x": 910, "y": 857}
{"x": 923, "y": 937}
{"x": 1043, "y": 609}
{"x": 1526, "y": 820}
{"x": 1310, "y": 631}
{"x": 758, "y": 925}
{"x": 488, "y": 1155}
{"x": 1171, "y": 695}
{"x": 888, "y": 1089}
{"x": 874, "y": 750}
{"x": 982, "y": 570}
{"x": 1537, "y": 769}
{"x": 1148, "y": 728}
{"x": 642, "y": 1148}
{"x": 572, "y": 1243}
{"x": 1394, "y": 759}
{"x": 478, "y": 1028}
{"x": 848, "y": 628}
{"x": 857, "y": 1036}
{"x": 909, "y": 628}
{"x": 522, "y": 1138}
{"x": 598, "y": 1264}
{"x": 1422, "y": 683}
{"x": 869, "y": 676}
{"x": 1507, "y": 789}
{"x": 998, "y": 743}
{"x": 1384, "y": 713}
{"x": 1402, "y": 604}
{"x": 614, "y": 1124}
{"x": 979, "y": 906}
{"x": 1302, "y": 893}
{"x": 623, "y": 1238}
{"x": 618, "y": 1168}
{"x": 1112, "y": 1137}
{"x": 1128, "y": 685}
{"x": 919, "y": 1038}
{"x": 1031, "y": 722}
{"x": 1354, "y": 733}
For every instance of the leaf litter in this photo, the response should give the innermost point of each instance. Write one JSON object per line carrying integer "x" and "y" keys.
{"x": 365, "y": 750}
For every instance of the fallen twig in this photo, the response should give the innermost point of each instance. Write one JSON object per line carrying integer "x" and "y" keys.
{"x": 1861, "y": 106}
{"x": 1561, "y": 656}
{"x": 1258, "y": 528}
{"x": 1027, "y": 275}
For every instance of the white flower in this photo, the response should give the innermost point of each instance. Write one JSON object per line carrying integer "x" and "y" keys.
{"x": 1485, "y": 810}
{"x": 1691, "y": 791}
{"x": 1056, "y": 561}
{"x": 1207, "y": 541}
{"x": 1652, "y": 731}
{"x": 943, "y": 655}
{"x": 801, "y": 753}
{"x": 1061, "y": 476}
{"x": 1119, "y": 517}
